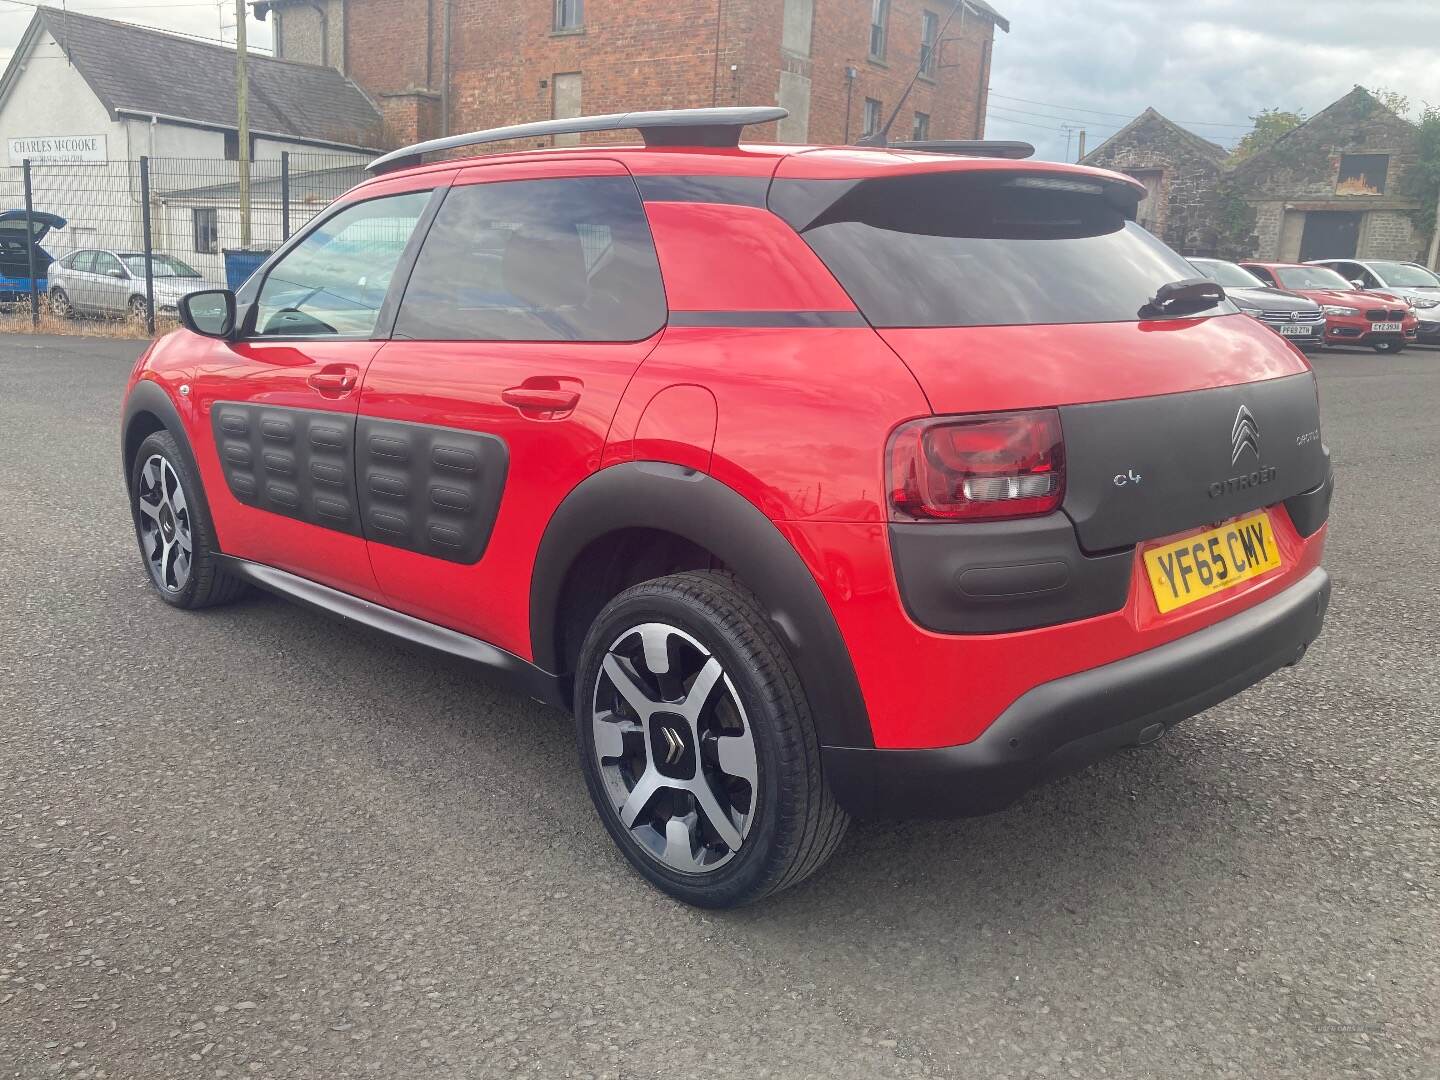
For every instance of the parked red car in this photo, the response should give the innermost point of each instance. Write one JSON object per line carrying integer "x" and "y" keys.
{"x": 816, "y": 482}
{"x": 1352, "y": 316}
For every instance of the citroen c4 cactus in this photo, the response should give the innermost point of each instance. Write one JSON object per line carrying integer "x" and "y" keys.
{"x": 816, "y": 482}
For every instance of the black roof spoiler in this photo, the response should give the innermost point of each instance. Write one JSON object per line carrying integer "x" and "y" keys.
{"x": 667, "y": 127}
{"x": 968, "y": 147}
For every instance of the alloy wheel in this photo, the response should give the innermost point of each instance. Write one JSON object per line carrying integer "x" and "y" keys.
{"x": 59, "y": 305}
{"x": 675, "y": 749}
{"x": 165, "y": 524}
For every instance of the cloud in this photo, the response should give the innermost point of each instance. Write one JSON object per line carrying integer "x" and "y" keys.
{"x": 178, "y": 16}
{"x": 1097, "y": 63}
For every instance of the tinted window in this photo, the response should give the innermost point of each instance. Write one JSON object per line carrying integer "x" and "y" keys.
{"x": 976, "y": 249}
{"x": 334, "y": 280}
{"x": 537, "y": 260}
{"x": 1227, "y": 274}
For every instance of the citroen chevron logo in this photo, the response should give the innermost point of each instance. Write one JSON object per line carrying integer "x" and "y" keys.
{"x": 674, "y": 746}
{"x": 1245, "y": 433}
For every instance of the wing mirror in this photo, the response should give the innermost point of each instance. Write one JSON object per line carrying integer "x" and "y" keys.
{"x": 210, "y": 313}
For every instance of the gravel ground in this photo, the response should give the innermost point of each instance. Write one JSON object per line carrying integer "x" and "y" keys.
{"x": 253, "y": 842}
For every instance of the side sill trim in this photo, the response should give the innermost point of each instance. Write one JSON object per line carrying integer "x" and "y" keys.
{"x": 534, "y": 681}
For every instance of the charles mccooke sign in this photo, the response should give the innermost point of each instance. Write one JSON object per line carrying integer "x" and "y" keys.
{"x": 59, "y": 150}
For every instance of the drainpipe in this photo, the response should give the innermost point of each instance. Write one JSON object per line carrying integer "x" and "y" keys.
{"x": 445, "y": 68}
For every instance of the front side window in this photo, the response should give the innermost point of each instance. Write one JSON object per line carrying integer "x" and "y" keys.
{"x": 977, "y": 249}
{"x": 872, "y": 116}
{"x": 569, "y": 14}
{"x": 84, "y": 262}
{"x": 160, "y": 266}
{"x": 929, "y": 35}
{"x": 108, "y": 265}
{"x": 205, "y": 224}
{"x": 879, "y": 28}
{"x": 335, "y": 279}
{"x": 536, "y": 260}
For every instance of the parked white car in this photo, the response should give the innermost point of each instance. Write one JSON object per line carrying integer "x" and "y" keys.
{"x": 94, "y": 281}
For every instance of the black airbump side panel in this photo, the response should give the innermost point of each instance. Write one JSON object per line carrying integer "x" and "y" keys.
{"x": 429, "y": 489}
{"x": 295, "y": 462}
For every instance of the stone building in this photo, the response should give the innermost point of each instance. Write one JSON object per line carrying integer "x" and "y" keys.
{"x": 1336, "y": 186}
{"x": 840, "y": 66}
{"x": 1180, "y": 171}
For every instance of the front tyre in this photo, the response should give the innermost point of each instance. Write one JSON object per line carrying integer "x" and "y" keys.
{"x": 1387, "y": 346}
{"x": 697, "y": 743}
{"x": 172, "y": 524}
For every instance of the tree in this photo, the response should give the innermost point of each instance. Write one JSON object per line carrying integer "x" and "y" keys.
{"x": 1423, "y": 178}
{"x": 1393, "y": 100}
{"x": 1270, "y": 124}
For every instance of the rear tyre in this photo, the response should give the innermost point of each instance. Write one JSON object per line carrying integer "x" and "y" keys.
{"x": 60, "y": 304}
{"x": 697, "y": 743}
{"x": 172, "y": 524}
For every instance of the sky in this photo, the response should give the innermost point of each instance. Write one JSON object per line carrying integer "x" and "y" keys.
{"x": 1207, "y": 64}
{"x": 1094, "y": 64}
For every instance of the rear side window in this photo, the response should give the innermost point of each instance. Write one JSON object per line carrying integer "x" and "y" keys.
{"x": 983, "y": 249}
{"x": 537, "y": 260}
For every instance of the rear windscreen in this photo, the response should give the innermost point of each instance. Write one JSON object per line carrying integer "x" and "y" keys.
{"x": 982, "y": 249}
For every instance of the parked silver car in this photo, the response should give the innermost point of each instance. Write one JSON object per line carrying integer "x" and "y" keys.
{"x": 94, "y": 281}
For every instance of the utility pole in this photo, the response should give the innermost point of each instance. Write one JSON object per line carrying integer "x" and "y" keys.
{"x": 242, "y": 122}
{"x": 1081, "y": 155}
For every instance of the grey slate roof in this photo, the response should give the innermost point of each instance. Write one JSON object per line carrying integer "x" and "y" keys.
{"x": 136, "y": 70}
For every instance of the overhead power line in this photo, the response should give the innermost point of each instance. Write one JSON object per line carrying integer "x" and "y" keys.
{"x": 1126, "y": 116}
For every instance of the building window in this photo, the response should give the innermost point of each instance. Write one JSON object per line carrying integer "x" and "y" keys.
{"x": 1362, "y": 174}
{"x": 929, "y": 40}
{"x": 565, "y": 103}
{"x": 879, "y": 28}
{"x": 921, "y": 131}
{"x": 872, "y": 116}
{"x": 205, "y": 225}
{"x": 569, "y": 14}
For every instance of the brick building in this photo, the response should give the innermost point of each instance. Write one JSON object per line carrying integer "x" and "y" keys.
{"x": 1180, "y": 171}
{"x": 839, "y": 66}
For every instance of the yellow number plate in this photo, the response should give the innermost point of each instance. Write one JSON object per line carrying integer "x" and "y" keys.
{"x": 1211, "y": 562}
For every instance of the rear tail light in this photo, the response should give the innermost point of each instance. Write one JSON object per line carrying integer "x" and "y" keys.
{"x": 978, "y": 468}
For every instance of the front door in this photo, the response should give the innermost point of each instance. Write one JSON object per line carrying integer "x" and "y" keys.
{"x": 534, "y": 299}
{"x": 277, "y": 406}
{"x": 1330, "y": 234}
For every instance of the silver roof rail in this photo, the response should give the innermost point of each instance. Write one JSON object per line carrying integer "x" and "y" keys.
{"x": 968, "y": 147}
{"x": 668, "y": 127}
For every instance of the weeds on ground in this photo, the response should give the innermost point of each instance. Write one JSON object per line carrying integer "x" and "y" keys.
{"x": 16, "y": 320}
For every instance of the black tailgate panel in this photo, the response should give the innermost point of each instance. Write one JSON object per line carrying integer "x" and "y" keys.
{"x": 1200, "y": 458}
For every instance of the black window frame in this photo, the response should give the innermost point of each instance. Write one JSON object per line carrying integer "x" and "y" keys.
{"x": 879, "y": 116}
{"x": 248, "y": 298}
{"x": 879, "y": 30}
{"x": 568, "y": 16}
{"x": 929, "y": 45}
{"x": 449, "y": 192}
{"x": 213, "y": 213}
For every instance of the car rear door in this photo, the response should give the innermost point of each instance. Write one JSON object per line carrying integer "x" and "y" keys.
{"x": 533, "y": 300}
{"x": 277, "y": 405}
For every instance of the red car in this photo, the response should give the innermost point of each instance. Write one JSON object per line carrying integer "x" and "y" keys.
{"x": 816, "y": 482}
{"x": 1352, "y": 316}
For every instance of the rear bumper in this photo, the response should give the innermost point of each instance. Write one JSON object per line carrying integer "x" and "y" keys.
{"x": 1064, "y": 725}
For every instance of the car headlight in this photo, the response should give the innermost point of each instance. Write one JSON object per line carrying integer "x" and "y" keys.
{"x": 1253, "y": 312}
{"x": 1424, "y": 302}
{"x": 1336, "y": 309}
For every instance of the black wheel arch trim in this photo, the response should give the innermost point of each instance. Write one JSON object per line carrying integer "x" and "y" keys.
{"x": 149, "y": 397}
{"x": 708, "y": 513}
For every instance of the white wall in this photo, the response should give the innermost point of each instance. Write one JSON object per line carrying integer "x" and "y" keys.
{"x": 50, "y": 98}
